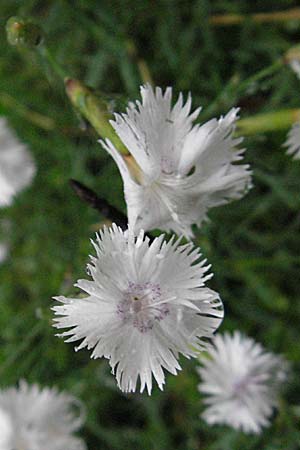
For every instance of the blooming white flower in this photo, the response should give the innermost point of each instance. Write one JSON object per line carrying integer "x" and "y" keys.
{"x": 293, "y": 141}
{"x": 16, "y": 165}
{"x": 176, "y": 171}
{"x": 32, "y": 418}
{"x": 241, "y": 380}
{"x": 147, "y": 303}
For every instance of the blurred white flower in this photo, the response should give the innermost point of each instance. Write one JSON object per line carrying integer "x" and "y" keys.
{"x": 6, "y": 431}
{"x": 147, "y": 303}
{"x": 176, "y": 171}
{"x": 293, "y": 141}
{"x": 241, "y": 380}
{"x": 3, "y": 251}
{"x": 295, "y": 66}
{"x": 32, "y": 418}
{"x": 16, "y": 165}
{"x": 292, "y": 58}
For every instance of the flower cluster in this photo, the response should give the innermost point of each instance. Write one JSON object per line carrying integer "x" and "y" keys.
{"x": 147, "y": 302}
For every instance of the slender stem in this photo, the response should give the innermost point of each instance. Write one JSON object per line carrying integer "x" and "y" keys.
{"x": 47, "y": 55}
{"x": 141, "y": 64}
{"x": 144, "y": 71}
{"x": 233, "y": 90}
{"x": 266, "y": 122}
{"x": 44, "y": 122}
{"x": 260, "y": 75}
{"x": 270, "y": 17}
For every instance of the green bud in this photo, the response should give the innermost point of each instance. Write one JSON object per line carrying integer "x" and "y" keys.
{"x": 21, "y": 32}
{"x": 94, "y": 109}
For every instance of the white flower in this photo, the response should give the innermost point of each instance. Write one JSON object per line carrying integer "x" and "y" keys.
{"x": 16, "y": 165}
{"x": 293, "y": 141}
{"x": 176, "y": 171}
{"x": 241, "y": 380}
{"x": 32, "y": 418}
{"x": 147, "y": 303}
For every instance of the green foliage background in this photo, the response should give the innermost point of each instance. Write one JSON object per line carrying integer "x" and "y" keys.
{"x": 253, "y": 244}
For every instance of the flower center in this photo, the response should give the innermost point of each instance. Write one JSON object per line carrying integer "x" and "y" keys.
{"x": 167, "y": 166}
{"x": 240, "y": 385}
{"x": 142, "y": 305}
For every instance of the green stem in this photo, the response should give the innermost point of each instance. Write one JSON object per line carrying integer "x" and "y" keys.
{"x": 267, "y": 17}
{"x": 44, "y": 122}
{"x": 267, "y": 122}
{"x": 233, "y": 90}
{"x": 260, "y": 75}
{"x": 141, "y": 64}
{"x": 47, "y": 56}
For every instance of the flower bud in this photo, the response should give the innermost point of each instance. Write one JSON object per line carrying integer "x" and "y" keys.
{"x": 94, "y": 109}
{"x": 21, "y": 32}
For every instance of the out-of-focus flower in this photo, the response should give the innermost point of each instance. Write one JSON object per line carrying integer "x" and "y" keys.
{"x": 295, "y": 66}
{"x": 241, "y": 380}
{"x": 292, "y": 58}
{"x": 293, "y": 141}
{"x": 6, "y": 431}
{"x": 176, "y": 171}
{"x": 32, "y": 418}
{"x": 3, "y": 251}
{"x": 16, "y": 165}
{"x": 5, "y": 231}
{"x": 147, "y": 303}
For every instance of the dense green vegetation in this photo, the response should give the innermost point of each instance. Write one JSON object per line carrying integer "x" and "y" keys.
{"x": 253, "y": 244}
